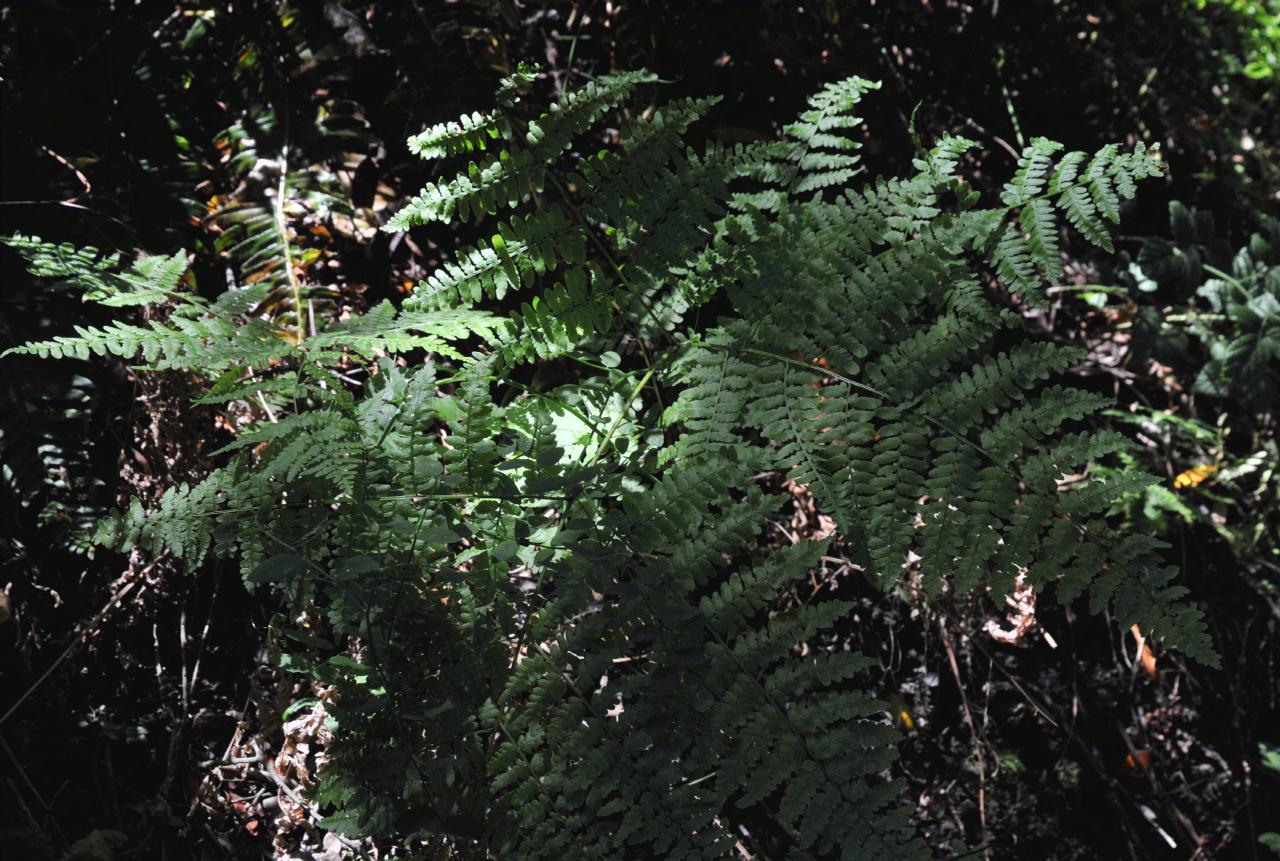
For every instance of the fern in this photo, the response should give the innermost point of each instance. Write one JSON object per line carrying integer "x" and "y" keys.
{"x": 506, "y": 178}
{"x": 1027, "y": 253}
{"x": 469, "y": 133}
{"x": 816, "y": 152}
{"x": 547, "y": 614}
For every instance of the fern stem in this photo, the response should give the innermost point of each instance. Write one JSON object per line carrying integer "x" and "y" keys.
{"x": 622, "y": 414}
{"x": 604, "y": 251}
{"x": 1230, "y": 279}
{"x": 282, "y": 227}
{"x": 828, "y": 372}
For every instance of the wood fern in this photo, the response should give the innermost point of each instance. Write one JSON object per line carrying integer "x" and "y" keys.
{"x": 539, "y": 593}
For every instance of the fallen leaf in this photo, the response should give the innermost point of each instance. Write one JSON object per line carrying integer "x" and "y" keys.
{"x": 901, "y": 714}
{"x": 1021, "y": 614}
{"x": 1194, "y": 476}
{"x": 1138, "y": 762}
{"x": 1148, "y": 657}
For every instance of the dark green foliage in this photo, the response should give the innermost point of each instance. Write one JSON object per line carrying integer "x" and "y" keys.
{"x": 46, "y": 440}
{"x": 1238, "y": 305}
{"x": 1214, "y": 313}
{"x": 540, "y": 601}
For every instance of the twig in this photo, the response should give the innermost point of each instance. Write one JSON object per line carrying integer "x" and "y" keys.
{"x": 225, "y": 759}
{"x": 271, "y": 414}
{"x": 1001, "y": 142}
{"x": 182, "y": 659}
{"x": 22, "y": 805}
{"x": 84, "y": 181}
{"x": 78, "y": 640}
{"x": 204, "y": 633}
{"x": 973, "y": 732}
{"x": 31, "y": 787}
{"x": 302, "y": 803}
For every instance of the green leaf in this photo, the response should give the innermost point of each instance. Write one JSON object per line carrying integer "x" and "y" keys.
{"x": 505, "y": 550}
{"x": 278, "y": 569}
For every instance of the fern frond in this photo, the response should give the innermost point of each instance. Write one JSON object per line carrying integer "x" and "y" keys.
{"x": 1081, "y": 211}
{"x": 997, "y": 383}
{"x": 502, "y": 181}
{"x": 507, "y": 178}
{"x": 1040, "y": 227}
{"x": 523, "y": 249}
{"x": 469, "y": 133}
{"x": 99, "y": 277}
{"x": 816, "y": 155}
{"x": 209, "y": 344}
{"x": 1033, "y": 172}
{"x": 1016, "y": 431}
{"x": 383, "y": 330}
{"x": 562, "y": 318}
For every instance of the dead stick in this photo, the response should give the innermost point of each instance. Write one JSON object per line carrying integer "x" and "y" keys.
{"x": 973, "y": 731}
{"x": 77, "y": 641}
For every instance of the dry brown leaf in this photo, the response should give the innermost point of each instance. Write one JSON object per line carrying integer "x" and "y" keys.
{"x": 1138, "y": 762}
{"x": 1148, "y": 657}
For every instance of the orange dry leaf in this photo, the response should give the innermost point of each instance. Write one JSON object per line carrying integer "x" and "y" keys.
{"x": 1122, "y": 314}
{"x": 901, "y": 714}
{"x": 1148, "y": 660}
{"x": 1194, "y": 476}
{"x": 1138, "y": 762}
{"x": 1148, "y": 657}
